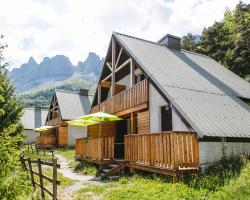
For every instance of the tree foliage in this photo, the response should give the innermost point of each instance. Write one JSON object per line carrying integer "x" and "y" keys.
{"x": 227, "y": 41}
{"x": 13, "y": 183}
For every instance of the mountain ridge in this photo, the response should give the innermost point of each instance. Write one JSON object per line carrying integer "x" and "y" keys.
{"x": 33, "y": 75}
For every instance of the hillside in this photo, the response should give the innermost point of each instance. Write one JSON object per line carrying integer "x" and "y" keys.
{"x": 42, "y": 97}
{"x": 33, "y": 75}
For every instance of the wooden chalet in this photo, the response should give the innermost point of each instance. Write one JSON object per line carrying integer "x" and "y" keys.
{"x": 176, "y": 106}
{"x": 65, "y": 106}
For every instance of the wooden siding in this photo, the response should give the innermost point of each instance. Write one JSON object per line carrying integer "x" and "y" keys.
{"x": 107, "y": 129}
{"x": 96, "y": 148}
{"x": 130, "y": 98}
{"x": 62, "y": 136}
{"x": 169, "y": 150}
{"x": 54, "y": 122}
{"x": 47, "y": 138}
{"x": 143, "y": 123}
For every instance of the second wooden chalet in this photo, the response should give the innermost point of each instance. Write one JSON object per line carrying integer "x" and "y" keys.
{"x": 65, "y": 106}
{"x": 177, "y": 108}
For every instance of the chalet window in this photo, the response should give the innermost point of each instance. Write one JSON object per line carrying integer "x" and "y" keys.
{"x": 166, "y": 118}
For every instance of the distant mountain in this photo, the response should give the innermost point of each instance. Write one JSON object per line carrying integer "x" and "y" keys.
{"x": 91, "y": 68}
{"x": 58, "y": 68}
{"x": 42, "y": 97}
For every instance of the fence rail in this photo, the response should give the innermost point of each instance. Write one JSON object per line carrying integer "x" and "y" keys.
{"x": 27, "y": 166}
{"x": 33, "y": 148}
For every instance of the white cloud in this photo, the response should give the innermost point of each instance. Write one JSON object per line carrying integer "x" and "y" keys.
{"x": 41, "y": 28}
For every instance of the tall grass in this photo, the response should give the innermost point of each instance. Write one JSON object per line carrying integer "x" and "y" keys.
{"x": 227, "y": 179}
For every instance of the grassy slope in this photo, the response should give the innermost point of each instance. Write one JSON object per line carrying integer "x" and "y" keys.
{"x": 42, "y": 97}
{"x": 228, "y": 179}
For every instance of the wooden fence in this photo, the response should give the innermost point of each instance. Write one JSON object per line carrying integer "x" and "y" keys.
{"x": 96, "y": 148}
{"x": 28, "y": 166}
{"x": 170, "y": 150}
{"x": 33, "y": 148}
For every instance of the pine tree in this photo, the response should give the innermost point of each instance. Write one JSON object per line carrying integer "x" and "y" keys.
{"x": 240, "y": 55}
{"x": 227, "y": 41}
{"x": 12, "y": 181}
{"x": 188, "y": 42}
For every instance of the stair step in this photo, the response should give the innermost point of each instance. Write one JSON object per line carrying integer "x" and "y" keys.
{"x": 113, "y": 178}
{"x": 106, "y": 170}
{"x": 113, "y": 165}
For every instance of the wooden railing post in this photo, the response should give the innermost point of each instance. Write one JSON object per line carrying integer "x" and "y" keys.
{"x": 40, "y": 177}
{"x": 54, "y": 179}
{"x": 31, "y": 173}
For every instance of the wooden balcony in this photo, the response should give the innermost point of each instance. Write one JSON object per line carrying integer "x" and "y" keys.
{"x": 46, "y": 140}
{"x": 54, "y": 122}
{"x": 99, "y": 149}
{"x": 135, "y": 97}
{"x": 166, "y": 150}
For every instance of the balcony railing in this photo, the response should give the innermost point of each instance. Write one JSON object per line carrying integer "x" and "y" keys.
{"x": 133, "y": 97}
{"x": 53, "y": 122}
{"x": 96, "y": 148}
{"x": 170, "y": 150}
{"x": 46, "y": 140}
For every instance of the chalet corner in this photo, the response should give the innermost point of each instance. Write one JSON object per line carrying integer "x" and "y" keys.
{"x": 177, "y": 107}
{"x": 65, "y": 106}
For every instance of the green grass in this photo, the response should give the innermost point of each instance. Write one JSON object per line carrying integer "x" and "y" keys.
{"x": 228, "y": 179}
{"x": 83, "y": 167}
{"x": 34, "y": 155}
{"x": 68, "y": 153}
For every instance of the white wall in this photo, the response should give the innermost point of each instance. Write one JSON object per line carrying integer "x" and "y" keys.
{"x": 30, "y": 136}
{"x": 178, "y": 124}
{"x": 125, "y": 81}
{"x": 156, "y": 101}
{"x": 75, "y": 132}
{"x": 210, "y": 152}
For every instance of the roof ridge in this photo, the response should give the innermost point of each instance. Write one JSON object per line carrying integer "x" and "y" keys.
{"x": 149, "y": 41}
{"x": 71, "y": 92}
{"x": 116, "y": 33}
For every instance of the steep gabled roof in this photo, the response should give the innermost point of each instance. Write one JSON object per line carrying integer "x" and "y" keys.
{"x": 73, "y": 105}
{"x": 203, "y": 91}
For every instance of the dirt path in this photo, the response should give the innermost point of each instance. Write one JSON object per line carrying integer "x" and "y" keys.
{"x": 81, "y": 180}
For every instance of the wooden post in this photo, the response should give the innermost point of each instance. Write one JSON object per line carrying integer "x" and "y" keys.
{"x": 23, "y": 162}
{"x": 99, "y": 93}
{"x": 113, "y": 69}
{"x": 132, "y": 118}
{"x": 132, "y": 73}
{"x": 31, "y": 173}
{"x": 54, "y": 179}
{"x": 40, "y": 177}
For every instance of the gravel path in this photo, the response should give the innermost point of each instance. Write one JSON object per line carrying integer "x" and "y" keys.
{"x": 81, "y": 180}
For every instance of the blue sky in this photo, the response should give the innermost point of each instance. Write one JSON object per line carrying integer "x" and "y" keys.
{"x": 42, "y": 28}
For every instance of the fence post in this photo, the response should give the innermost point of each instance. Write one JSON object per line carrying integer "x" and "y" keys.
{"x": 23, "y": 162}
{"x": 41, "y": 177}
{"x": 54, "y": 179}
{"x": 31, "y": 173}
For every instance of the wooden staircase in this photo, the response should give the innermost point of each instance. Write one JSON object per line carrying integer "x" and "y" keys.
{"x": 114, "y": 167}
